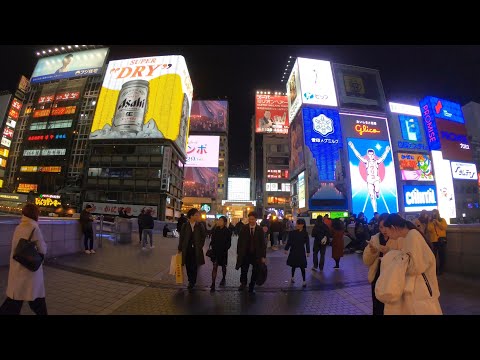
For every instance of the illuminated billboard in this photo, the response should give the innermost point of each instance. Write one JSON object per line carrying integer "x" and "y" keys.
{"x": 114, "y": 209}
{"x": 145, "y": 98}
{"x": 294, "y": 92}
{"x": 301, "y": 191}
{"x": 296, "y": 141}
{"x": 209, "y": 116}
{"x": 420, "y": 197}
{"x": 372, "y": 171}
{"x": 359, "y": 88}
{"x": 454, "y": 140}
{"x": 464, "y": 171}
{"x": 238, "y": 188}
{"x": 404, "y": 109}
{"x": 323, "y": 141}
{"x": 202, "y": 151}
{"x": 200, "y": 182}
{"x": 81, "y": 63}
{"x": 271, "y": 114}
{"x": 26, "y": 188}
{"x": 442, "y": 109}
{"x": 445, "y": 190}
{"x": 316, "y": 82}
{"x": 415, "y": 167}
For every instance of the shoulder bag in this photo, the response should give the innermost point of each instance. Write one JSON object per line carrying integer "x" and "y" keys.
{"x": 26, "y": 253}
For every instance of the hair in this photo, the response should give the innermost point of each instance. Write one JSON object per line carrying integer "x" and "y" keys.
{"x": 69, "y": 56}
{"x": 31, "y": 211}
{"x": 319, "y": 219}
{"x": 254, "y": 214}
{"x": 338, "y": 225}
{"x": 302, "y": 222}
{"x": 192, "y": 212}
{"x": 375, "y": 213}
{"x": 88, "y": 206}
{"x": 360, "y": 215}
{"x": 395, "y": 220}
{"x": 381, "y": 218}
{"x": 224, "y": 219}
{"x": 326, "y": 215}
{"x": 370, "y": 151}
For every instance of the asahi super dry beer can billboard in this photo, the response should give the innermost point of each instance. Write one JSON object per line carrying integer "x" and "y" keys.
{"x": 145, "y": 98}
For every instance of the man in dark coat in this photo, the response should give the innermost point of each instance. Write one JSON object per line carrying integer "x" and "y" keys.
{"x": 86, "y": 220}
{"x": 140, "y": 225}
{"x": 251, "y": 250}
{"x": 190, "y": 245}
{"x": 319, "y": 231}
{"x": 181, "y": 220}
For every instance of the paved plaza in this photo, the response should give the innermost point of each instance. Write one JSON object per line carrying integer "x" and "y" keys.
{"x": 123, "y": 279}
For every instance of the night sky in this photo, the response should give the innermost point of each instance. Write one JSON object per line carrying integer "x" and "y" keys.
{"x": 235, "y": 72}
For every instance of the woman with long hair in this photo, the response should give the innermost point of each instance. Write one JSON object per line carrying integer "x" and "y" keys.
{"x": 221, "y": 242}
{"x": 299, "y": 245}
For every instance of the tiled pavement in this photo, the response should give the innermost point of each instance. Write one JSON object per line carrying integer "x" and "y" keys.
{"x": 123, "y": 279}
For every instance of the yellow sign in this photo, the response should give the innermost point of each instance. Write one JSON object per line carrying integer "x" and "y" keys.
{"x": 1, "y": 183}
{"x": 316, "y": 213}
{"x": 25, "y": 188}
{"x": 47, "y": 202}
{"x": 4, "y": 153}
{"x": 145, "y": 98}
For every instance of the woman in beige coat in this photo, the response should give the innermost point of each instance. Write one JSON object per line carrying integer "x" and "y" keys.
{"x": 23, "y": 284}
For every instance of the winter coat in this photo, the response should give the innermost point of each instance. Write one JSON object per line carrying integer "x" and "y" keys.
{"x": 244, "y": 242}
{"x": 199, "y": 235}
{"x": 319, "y": 231}
{"x": 416, "y": 298}
{"x": 372, "y": 260}
{"x": 221, "y": 242}
{"x": 299, "y": 244}
{"x": 24, "y": 284}
{"x": 337, "y": 244}
{"x": 86, "y": 221}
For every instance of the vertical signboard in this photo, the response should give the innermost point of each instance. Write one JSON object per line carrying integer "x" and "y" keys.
{"x": 316, "y": 82}
{"x": 167, "y": 160}
{"x": 445, "y": 190}
{"x": 296, "y": 141}
{"x": 301, "y": 191}
{"x": 271, "y": 114}
{"x": 372, "y": 171}
{"x": 294, "y": 92}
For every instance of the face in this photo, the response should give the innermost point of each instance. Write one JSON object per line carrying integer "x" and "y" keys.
{"x": 371, "y": 155}
{"x": 196, "y": 217}
{"x": 220, "y": 223}
{"x": 382, "y": 229}
{"x": 299, "y": 226}
{"x": 393, "y": 232}
{"x": 267, "y": 115}
{"x": 252, "y": 221}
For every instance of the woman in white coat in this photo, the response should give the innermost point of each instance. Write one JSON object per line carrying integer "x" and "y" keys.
{"x": 23, "y": 284}
{"x": 421, "y": 293}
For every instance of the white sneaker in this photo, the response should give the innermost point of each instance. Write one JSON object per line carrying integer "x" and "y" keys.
{"x": 144, "y": 248}
{"x": 304, "y": 284}
{"x": 87, "y": 251}
{"x": 152, "y": 247}
{"x": 92, "y": 251}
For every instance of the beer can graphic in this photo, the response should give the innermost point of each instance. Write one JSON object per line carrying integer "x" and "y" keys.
{"x": 131, "y": 107}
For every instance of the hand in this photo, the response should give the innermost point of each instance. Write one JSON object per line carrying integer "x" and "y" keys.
{"x": 372, "y": 248}
{"x": 262, "y": 260}
{"x": 384, "y": 249}
{"x": 387, "y": 149}
{"x": 350, "y": 144}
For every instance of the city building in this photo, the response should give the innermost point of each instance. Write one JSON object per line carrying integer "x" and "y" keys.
{"x": 138, "y": 138}
{"x": 50, "y": 142}
{"x": 206, "y": 169}
{"x": 269, "y": 155}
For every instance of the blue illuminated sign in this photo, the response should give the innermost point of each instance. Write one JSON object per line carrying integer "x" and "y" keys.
{"x": 410, "y": 128}
{"x": 420, "y": 197}
{"x": 430, "y": 125}
{"x": 412, "y": 146}
{"x": 442, "y": 109}
{"x": 323, "y": 138}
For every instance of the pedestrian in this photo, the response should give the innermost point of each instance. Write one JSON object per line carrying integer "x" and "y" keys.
{"x": 148, "y": 225}
{"x": 299, "y": 245}
{"x": 140, "y": 225}
{"x": 23, "y": 284}
{"x": 337, "y": 242}
{"x": 181, "y": 220}
{"x": 251, "y": 250}
{"x": 165, "y": 230}
{"x": 320, "y": 234}
{"x": 437, "y": 234}
{"x": 190, "y": 245}
{"x": 221, "y": 242}
{"x": 86, "y": 220}
{"x": 372, "y": 256}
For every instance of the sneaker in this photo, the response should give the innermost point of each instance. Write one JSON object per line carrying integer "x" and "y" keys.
{"x": 92, "y": 251}
{"x": 152, "y": 246}
{"x": 144, "y": 248}
{"x": 336, "y": 267}
{"x": 222, "y": 283}
{"x": 87, "y": 251}
{"x": 358, "y": 251}
{"x": 292, "y": 280}
{"x": 304, "y": 284}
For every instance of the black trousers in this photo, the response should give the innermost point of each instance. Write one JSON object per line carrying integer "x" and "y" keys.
{"x": 88, "y": 235}
{"x": 249, "y": 259}
{"x": 13, "y": 307}
{"x": 439, "y": 252}
{"x": 378, "y": 306}
{"x": 140, "y": 231}
{"x": 322, "y": 249}
{"x": 191, "y": 265}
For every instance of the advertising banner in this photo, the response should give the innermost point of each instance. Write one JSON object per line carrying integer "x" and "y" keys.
{"x": 26, "y": 188}
{"x": 146, "y": 97}
{"x": 63, "y": 66}
{"x": 454, "y": 140}
{"x": 202, "y": 151}
{"x": 316, "y": 82}
{"x": 464, "y": 171}
{"x": 114, "y": 209}
{"x": 271, "y": 114}
{"x": 416, "y": 167}
{"x": 404, "y": 109}
{"x": 200, "y": 182}
{"x": 209, "y": 116}
{"x": 420, "y": 197}
{"x": 442, "y": 109}
{"x": 238, "y": 188}
{"x": 296, "y": 140}
{"x": 359, "y": 88}
{"x": 445, "y": 190}
{"x": 294, "y": 92}
{"x": 301, "y": 191}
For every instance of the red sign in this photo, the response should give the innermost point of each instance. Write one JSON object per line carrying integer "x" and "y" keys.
{"x": 271, "y": 114}
{"x": 45, "y": 99}
{"x": 41, "y": 113}
{"x": 67, "y": 96}
{"x": 25, "y": 188}
{"x": 64, "y": 110}
{"x": 8, "y": 132}
{"x": 17, "y": 105}
{"x": 47, "y": 137}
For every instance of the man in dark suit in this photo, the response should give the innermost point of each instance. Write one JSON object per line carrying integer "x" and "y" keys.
{"x": 251, "y": 250}
{"x": 190, "y": 245}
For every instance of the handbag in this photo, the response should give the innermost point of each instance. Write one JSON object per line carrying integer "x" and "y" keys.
{"x": 210, "y": 253}
{"x": 26, "y": 253}
{"x": 262, "y": 273}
